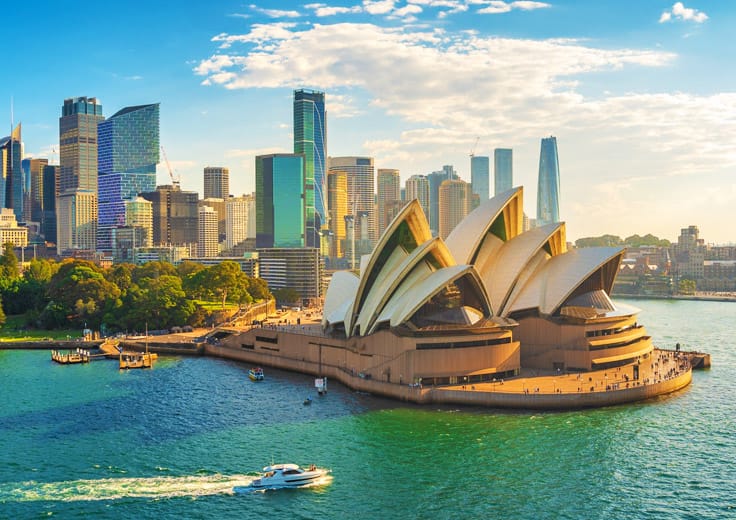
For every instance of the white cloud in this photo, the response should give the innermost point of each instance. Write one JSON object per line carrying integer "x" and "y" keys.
{"x": 500, "y": 6}
{"x": 680, "y": 12}
{"x": 378, "y": 6}
{"x": 321, "y": 10}
{"x": 275, "y": 13}
{"x": 440, "y": 90}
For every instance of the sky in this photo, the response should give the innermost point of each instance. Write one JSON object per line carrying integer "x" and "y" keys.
{"x": 641, "y": 95}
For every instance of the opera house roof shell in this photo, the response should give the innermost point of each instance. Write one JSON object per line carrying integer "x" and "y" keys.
{"x": 488, "y": 268}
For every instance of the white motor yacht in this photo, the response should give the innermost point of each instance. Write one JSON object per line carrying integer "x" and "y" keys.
{"x": 288, "y": 475}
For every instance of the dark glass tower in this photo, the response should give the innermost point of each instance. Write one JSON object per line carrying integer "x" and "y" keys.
{"x": 48, "y": 219}
{"x": 280, "y": 211}
{"x": 78, "y": 143}
{"x": 503, "y": 170}
{"x": 11, "y": 173}
{"x": 310, "y": 139}
{"x": 128, "y": 151}
{"x": 480, "y": 175}
{"x": 548, "y": 188}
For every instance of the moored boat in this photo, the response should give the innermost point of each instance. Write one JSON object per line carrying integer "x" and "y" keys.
{"x": 256, "y": 374}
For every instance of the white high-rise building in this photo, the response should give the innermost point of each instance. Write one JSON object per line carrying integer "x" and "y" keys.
{"x": 417, "y": 187}
{"x": 207, "y": 245}
{"x": 240, "y": 220}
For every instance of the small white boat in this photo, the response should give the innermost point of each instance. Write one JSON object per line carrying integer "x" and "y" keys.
{"x": 288, "y": 476}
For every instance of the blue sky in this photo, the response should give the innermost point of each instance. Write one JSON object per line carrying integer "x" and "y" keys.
{"x": 640, "y": 94}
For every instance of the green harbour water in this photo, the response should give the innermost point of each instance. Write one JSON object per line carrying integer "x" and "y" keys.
{"x": 90, "y": 441}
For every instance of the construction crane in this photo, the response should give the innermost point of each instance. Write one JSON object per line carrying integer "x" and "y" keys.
{"x": 174, "y": 178}
{"x": 472, "y": 150}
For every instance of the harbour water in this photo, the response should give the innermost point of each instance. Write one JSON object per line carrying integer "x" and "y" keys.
{"x": 91, "y": 441}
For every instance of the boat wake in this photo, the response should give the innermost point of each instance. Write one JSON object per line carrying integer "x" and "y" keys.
{"x": 117, "y": 488}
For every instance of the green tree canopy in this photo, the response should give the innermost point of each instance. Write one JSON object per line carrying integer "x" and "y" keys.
{"x": 601, "y": 241}
{"x": 9, "y": 262}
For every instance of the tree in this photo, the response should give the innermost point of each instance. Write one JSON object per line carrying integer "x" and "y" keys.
{"x": 687, "y": 286}
{"x": 160, "y": 302}
{"x": 80, "y": 290}
{"x": 601, "y": 241}
{"x": 226, "y": 280}
{"x": 258, "y": 289}
{"x": 9, "y": 262}
{"x": 2, "y": 314}
{"x": 152, "y": 270}
{"x": 286, "y": 296}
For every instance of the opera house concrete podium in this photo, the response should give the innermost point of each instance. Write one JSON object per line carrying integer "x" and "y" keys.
{"x": 491, "y": 316}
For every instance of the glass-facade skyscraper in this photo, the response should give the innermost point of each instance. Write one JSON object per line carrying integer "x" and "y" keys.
{"x": 310, "y": 139}
{"x": 280, "y": 207}
{"x": 128, "y": 151}
{"x": 11, "y": 173}
{"x": 548, "y": 184}
{"x": 503, "y": 170}
{"x": 480, "y": 176}
{"x": 78, "y": 143}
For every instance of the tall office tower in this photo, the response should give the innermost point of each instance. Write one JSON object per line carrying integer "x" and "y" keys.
{"x": 48, "y": 214}
{"x": 35, "y": 170}
{"x": 337, "y": 203}
{"x": 76, "y": 217}
{"x": 78, "y": 172}
{"x": 11, "y": 174}
{"x": 480, "y": 175}
{"x": 207, "y": 245}
{"x": 503, "y": 170}
{"x": 128, "y": 151}
{"x": 216, "y": 182}
{"x": 280, "y": 206}
{"x": 175, "y": 216}
{"x": 310, "y": 139}
{"x": 454, "y": 205}
{"x": 78, "y": 143}
{"x": 139, "y": 215}
{"x": 239, "y": 216}
{"x": 388, "y": 190}
{"x": 417, "y": 187}
{"x": 360, "y": 175}
{"x": 435, "y": 180}
{"x": 548, "y": 186}
{"x": 221, "y": 209}
{"x": 25, "y": 166}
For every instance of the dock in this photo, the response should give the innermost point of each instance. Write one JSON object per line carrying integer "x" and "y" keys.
{"x": 71, "y": 357}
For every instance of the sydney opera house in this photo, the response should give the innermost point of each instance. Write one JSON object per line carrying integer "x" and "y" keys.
{"x": 430, "y": 320}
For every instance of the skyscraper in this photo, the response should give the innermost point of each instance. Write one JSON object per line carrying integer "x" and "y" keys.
{"x": 503, "y": 170}
{"x": 454, "y": 205}
{"x": 310, "y": 139}
{"x": 280, "y": 207}
{"x": 78, "y": 173}
{"x": 388, "y": 190}
{"x": 361, "y": 184}
{"x": 207, "y": 245}
{"x": 175, "y": 216}
{"x": 78, "y": 143}
{"x": 239, "y": 217}
{"x": 548, "y": 188}
{"x": 417, "y": 187}
{"x": 35, "y": 170}
{"x": 48, "y": 215}
{"x": 479, "y": 175}
{"x": 11, "y": 173}
{"x": 216, "y": 182}
{"x": 337, "y": 199}
{"x": 435, "y": 180}
{"x": 128, "y": 151}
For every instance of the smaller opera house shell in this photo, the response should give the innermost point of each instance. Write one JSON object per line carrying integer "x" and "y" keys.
{"x": 489, "y": 302}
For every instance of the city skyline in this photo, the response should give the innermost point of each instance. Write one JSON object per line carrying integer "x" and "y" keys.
{"x": 639, "y": 102}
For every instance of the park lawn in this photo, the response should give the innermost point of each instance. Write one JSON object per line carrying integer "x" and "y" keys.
{"x": 216, "y": 306}
{"x": 14, "y": 330}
